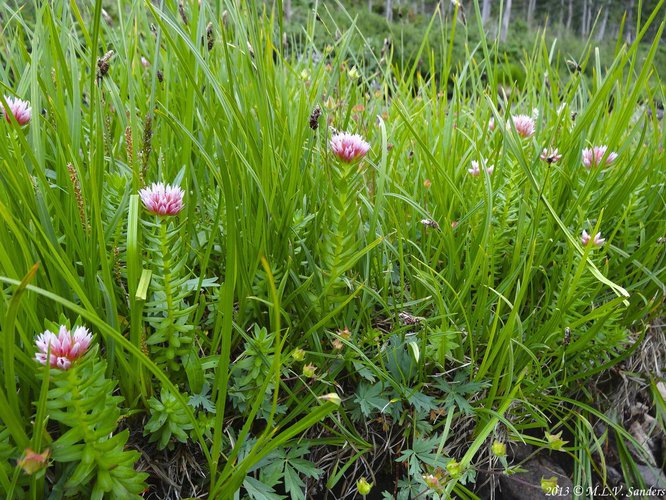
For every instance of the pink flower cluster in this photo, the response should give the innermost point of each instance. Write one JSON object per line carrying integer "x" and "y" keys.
{"x": 349, "y": 147}
{"x": 551, "y": 155}
{"x": 161, "y": 199}
{"x": 596, "y": 241}
{"x": 593, "y": 157}
{"x": 524, "y": 124}
{"x": 475, "y": 171}
{"x": 21, "y": 110}
{"x": 65, "y": 346}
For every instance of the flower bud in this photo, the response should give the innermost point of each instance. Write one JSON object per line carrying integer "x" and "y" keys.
{"x": 432, "y": 481}
{"x": 309, "y": 371}
{"x": 363, "y": 486}
{"x": 455, "y": 468}
{"x": 331, "y": 398}
{"x": 499, "y": 449}
{"x": 33, "y": 462}
{"x": 549, "y": 486}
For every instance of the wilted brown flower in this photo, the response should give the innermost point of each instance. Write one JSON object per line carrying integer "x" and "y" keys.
{"x": 430, "y": 223}
{"x": 103, "y": 65}
{"x": 314, "y": 117}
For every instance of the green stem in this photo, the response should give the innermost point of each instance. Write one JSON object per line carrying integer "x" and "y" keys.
{"x": 80, "y": 412}
{"x": 166, "y": 268}
{"x": 170, "y": 320}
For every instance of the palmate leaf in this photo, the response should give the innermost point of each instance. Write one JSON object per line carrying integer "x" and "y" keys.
{"x": 294, "y": 467}
{"x": 456, "y": 391}
{"x": 422, "y": 403}
{"x": 441, "y": 344}
{"x": 293, "y": 483}
{"x": 399, "y": 360}
{"x": 364, "y": 371}
{"x": 369, "y": 399}
{"x": 259, "y": 491}
{"x": 305, "y": 467}
{"x": 423, "y": 450}
{"x": 286, "y": 466}
{"x": 409, "y": 488}
{"x": 202, "y": 400}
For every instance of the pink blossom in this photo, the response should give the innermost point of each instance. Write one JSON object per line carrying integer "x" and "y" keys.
{"x": 348, "y": 147}
{"x": 65, "y": 347}
{"x": 33, "y": 461}
{"x": 491, "y": 125}
{"x": 551, "y": 155}
{"x": 596, "y": 241}
{"x": 162, "y": 199}
{"x": 524, "y": 125}
{"x": 475, "y": 171}
{"x": 432, "y": 482}
{"x": 20, "y": 109}
{"x": 593, "y": 157}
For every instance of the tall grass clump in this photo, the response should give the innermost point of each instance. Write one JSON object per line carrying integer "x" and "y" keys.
{"x": 307, "y": 272}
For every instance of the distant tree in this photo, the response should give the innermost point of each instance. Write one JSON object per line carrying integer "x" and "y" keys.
{"x": 583, "y": 19}
{"x": 485, "y": 12}
{"x": 506, "y": 20}
{"x": 531, "y": 5}
{"x": 286, "y": 6}
{"x": 629, "y": 28}
{"x": 561, "y": 24}
{"x": 604, "y": 21}
{"x": 570, "y": 14}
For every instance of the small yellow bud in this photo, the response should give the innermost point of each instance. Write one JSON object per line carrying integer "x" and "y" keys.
{"x": 331, "y": 398}
{"x": 330, "y": 103}
{"x": 353, "y": 73}
{"x": 454, "y": 468}
{"x": 499, "y": 449}
{"x": 363, "y": 486}
{"x": 309, "y": 370}
{"x": 549, "y": 486}
{"x": 298, "y": 354}
{"x": 555, "y": 442}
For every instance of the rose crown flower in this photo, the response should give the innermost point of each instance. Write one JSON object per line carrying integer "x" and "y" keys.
{"x": 162, "y": 199}
{"x": 593, "y": 157}
{"x": 20, "y": 109}
{"x": 524, "y": 125}
{"x": 65, "y": 347}
{"x": 475, "y": 171}
{"x": 550, "y": 155}
{"x": 596, "y": 241}
{"x": 349, "y": 147}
